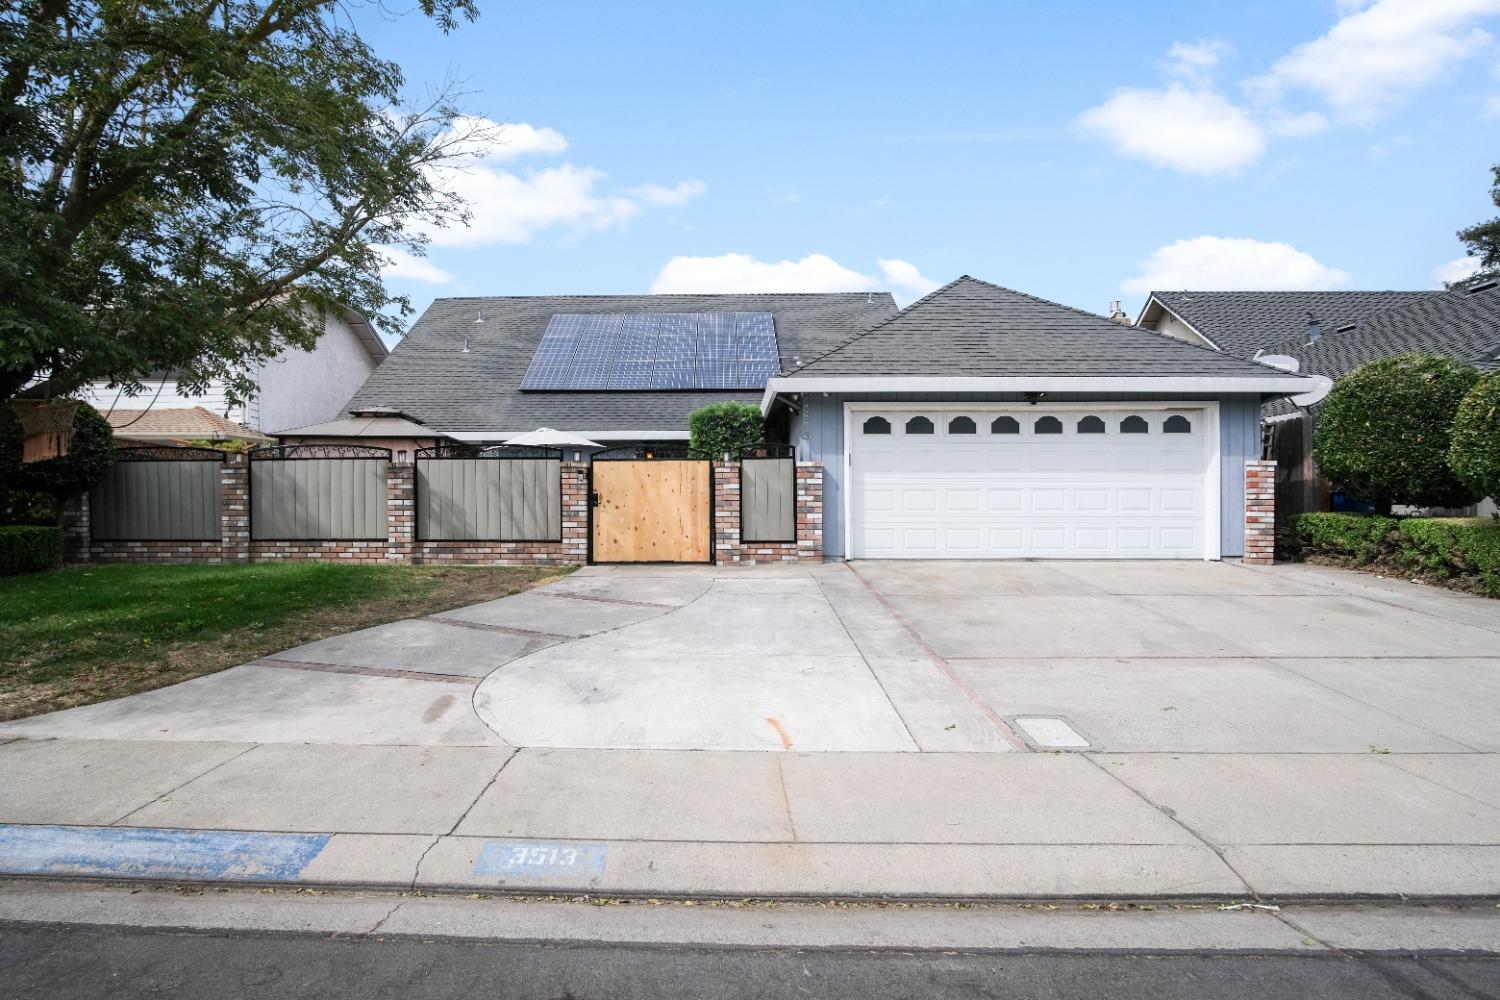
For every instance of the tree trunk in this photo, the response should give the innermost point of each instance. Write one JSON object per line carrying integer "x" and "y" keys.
{"x": 1383, "y": 506}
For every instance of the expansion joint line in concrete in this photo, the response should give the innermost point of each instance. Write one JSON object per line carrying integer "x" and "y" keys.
{"x": 942, "y": 664}
{"x": 603, "y": 600}
{"x": 507, "y": 629}
{"x": 344, "y": 668}
{"x": 1172, "y": 815}
{"x": 184, "y": 784}
{"x": 866, "y": 660}
{"x": 1388, "y": 601}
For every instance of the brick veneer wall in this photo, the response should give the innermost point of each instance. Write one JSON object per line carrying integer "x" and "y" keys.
{"x": 1260, "y": 512}
{"x": 731, "y": 549}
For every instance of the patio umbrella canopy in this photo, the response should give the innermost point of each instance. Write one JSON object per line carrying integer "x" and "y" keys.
{"x": 546, "y": 437}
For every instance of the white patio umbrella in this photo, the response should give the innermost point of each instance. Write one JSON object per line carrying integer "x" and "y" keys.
{"x": 546, "y": 437}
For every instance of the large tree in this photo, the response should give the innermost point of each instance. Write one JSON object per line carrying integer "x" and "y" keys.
{"x": 1483, "y": 239}
{"x": 188, "y": 184}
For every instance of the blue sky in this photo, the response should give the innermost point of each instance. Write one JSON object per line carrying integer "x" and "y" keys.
{"x": 1083, "y": 153}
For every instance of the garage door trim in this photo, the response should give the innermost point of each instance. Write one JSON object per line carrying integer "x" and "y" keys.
{"x": 1209, "y": 410}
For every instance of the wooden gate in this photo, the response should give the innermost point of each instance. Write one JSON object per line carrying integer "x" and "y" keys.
{"x": 655, "y": 509}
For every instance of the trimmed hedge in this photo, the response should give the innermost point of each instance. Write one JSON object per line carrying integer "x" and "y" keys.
{"x": 726, "y": 427}
{"x": 1466, "y": 548}
{"x": 1474, "y": 454}
{"x": 29, "y": 548}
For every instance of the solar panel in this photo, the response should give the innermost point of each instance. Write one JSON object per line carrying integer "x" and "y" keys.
{"x": 759, "y": 359}
{"x": 660, "y": 351}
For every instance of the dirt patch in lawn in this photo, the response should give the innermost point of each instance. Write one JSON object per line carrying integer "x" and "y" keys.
{"x": 91, "y": 634}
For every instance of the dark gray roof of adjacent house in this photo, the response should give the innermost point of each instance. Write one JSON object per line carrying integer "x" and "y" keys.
{"x": 433, "y": 378}
{"x": 973, "y": 328}
{"x": 1461, "y": 325}
{"x": 1242, "y": 323}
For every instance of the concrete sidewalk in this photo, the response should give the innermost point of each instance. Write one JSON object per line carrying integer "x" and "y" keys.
{"x": 830, "y": 731}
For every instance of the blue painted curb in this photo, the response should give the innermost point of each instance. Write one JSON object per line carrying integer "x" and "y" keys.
{"x": 143, "y": 852}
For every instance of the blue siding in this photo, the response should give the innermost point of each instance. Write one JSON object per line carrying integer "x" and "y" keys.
{"x": 819, "y": 436}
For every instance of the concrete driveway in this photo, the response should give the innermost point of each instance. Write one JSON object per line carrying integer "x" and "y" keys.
{"x": 1276, "y": 732}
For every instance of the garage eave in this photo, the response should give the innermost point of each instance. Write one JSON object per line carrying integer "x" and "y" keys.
{"x": 1269, "y": 386}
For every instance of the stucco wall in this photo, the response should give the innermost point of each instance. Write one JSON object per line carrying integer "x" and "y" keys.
{"x": 310, "y": 387}
{"x": 818, "y": 434}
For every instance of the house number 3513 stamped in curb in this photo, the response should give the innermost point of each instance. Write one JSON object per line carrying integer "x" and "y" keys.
{"x": 535, "y": 859}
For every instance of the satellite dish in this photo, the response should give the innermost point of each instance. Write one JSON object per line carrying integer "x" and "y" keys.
{"x": 1285, "y": 362}
{"x": 1316, "y": 396}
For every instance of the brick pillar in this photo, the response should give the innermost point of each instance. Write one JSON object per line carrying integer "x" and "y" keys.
{"x": 75, "y": 525}
{"x": 575, "y": 512}
{"x": 726, "y": 484}
{"x": 234, "y": 483}
{"x": 809, "y": 512}
{"x": 400, "y": 510}
{"x": 1260, "y": 512}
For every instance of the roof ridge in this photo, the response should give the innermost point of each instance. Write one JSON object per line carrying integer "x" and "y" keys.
{"x": 889, "y": 319}
{"x": 665, "y": 295}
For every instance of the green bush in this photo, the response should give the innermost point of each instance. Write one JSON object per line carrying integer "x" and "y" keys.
{"x": 1474, "y": 454}
{"x": 1467, "y": 548}
{"x": 1383, "y": 433}
{"x": 29, "y": 548}
{"x": 37, "y": 491}
{"x": 1360, "y": 537}
{"x": 1453, "y": 546}
{"x": 726, "y": 427}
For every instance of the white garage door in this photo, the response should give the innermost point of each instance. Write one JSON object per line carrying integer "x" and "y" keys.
{"x": 1030, "y": 482}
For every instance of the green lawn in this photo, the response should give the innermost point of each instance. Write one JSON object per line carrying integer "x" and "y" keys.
{"x": 87, "y": 634}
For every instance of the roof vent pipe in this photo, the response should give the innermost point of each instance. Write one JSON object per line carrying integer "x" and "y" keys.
{"x": 1314, "y": 329}
{"x": 1117, "y": 314}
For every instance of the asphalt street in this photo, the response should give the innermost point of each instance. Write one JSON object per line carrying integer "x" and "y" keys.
{"x": 52, "y": 962}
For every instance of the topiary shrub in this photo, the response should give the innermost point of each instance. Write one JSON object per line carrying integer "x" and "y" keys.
{"x": 726, "y": 427}
{"x": 1474, "y": 451}
{"x": 1362, "y": 538}
{"x": 38, "y": 490}
{"x": 29, "y": 548}
{"x": 1466, "y": 547}
{"x": 1384, "y": 431}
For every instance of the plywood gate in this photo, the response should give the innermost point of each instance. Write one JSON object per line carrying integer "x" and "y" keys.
{"x": 652, "y": 511}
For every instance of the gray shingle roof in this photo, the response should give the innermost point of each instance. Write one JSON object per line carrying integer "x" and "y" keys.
{"x": 1461, "y": 325}
{"x": 1241, "y": 323}
{"x": 431, "y": 378}
{"x": 973, "y": 328}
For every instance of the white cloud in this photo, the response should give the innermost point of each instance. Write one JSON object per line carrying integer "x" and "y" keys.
{"x": 511, "y": 206}
{"x": 1375, "y": 56}
{"x": 405, "y": 266}
{"x": 1193, "y": 60}
{"x": 1455, "y": 270}
{"x": 904, "y": 275}
{"x": 677, "y": 194}
{"x": 739, "y": 272}
{"x": 1225, "y": 264}
{"x": 1194, "y": 130}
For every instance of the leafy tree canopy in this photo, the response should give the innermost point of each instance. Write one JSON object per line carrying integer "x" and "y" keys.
{"x": 34, "y": 492}
{"x": 1483, "y": 239}
{"x": 1475, "y": 452}
{"x": 1383, "y": 433}
{"x": 191, "y": 183}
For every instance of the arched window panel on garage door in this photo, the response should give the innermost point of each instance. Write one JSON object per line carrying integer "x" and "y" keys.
{"x": 1134, "y": 425}
{"x": 1047, "y": 425}
{"x": 1091, "y": 425}
{"x": 919, "y": 425}
{"x": 1005, "y": 425}
{"x": 876, "y": 425}
{"x": 1177, "y": 424}
{"x": 963, "y": 425}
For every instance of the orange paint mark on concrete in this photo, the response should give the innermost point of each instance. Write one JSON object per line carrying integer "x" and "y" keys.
{"x": 786, "y": 741}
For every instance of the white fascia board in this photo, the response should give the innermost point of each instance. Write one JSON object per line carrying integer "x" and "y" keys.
{"x": 1270, "y": 384}
{"x": 1175, "y": 315}
{"x": 473, "y": 436}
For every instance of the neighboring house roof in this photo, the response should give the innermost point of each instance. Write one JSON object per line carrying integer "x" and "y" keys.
{"x": 1242, "y": 323}
{"x": 463, "y": 377}
{"x": 368, "y": 338}
{"x": 185, "y": 423}
{"x": 977, "y": 329}
{"x": 364, "y": 426}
